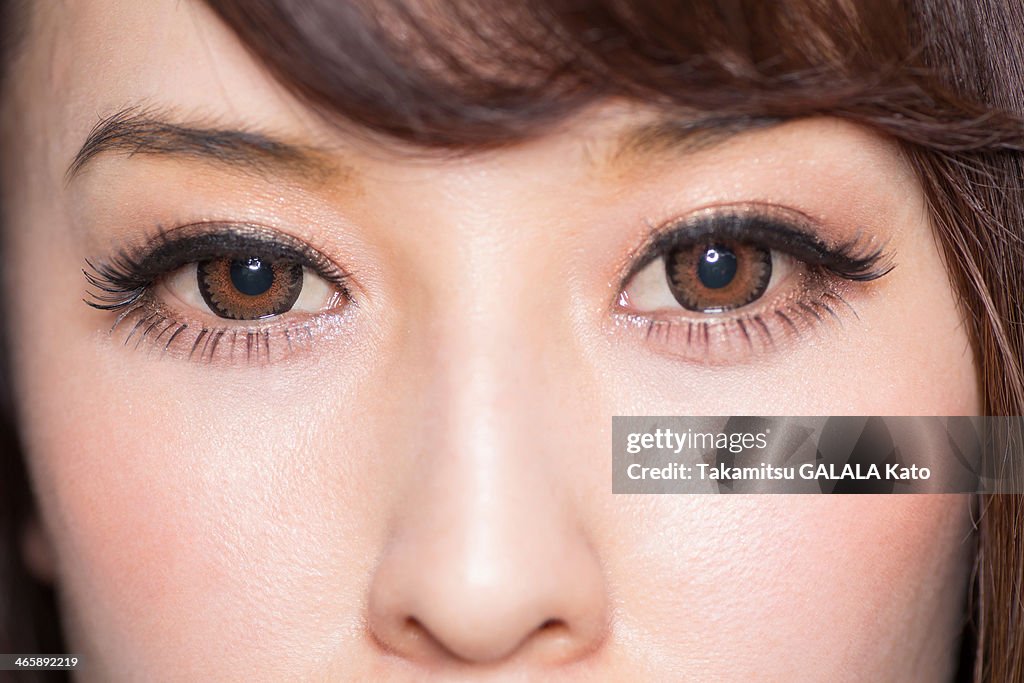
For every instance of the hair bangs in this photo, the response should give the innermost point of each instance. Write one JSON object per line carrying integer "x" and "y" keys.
{"x": 485, "y": 73}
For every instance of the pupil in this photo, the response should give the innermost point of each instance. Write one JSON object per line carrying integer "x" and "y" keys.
{"x": 251, "y": 276}
{"x": 717, "y": 267}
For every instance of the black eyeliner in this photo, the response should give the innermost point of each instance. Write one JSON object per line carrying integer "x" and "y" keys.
{"x": 849, "y": 260}
{"x": 123, "y": 279}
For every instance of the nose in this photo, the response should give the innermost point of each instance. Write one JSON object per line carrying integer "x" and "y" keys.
{"x": 488, "y": 556}
{"x": 484, "y": 568}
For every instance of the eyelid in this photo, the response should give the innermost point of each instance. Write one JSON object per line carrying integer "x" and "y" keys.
{"x": 193, "y": 242}
{"x": 770, "y": 226}
{"x": 130, "y": 284}
{"x": 817, "y": 294}
{"x": 123, "y": 278}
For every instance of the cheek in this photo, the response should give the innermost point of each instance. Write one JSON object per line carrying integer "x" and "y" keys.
{"x": 909, "y": 352}
{"x": 901, "y": 348}
{"x": 827, "y": 579}
{"x": 185, "y": 511}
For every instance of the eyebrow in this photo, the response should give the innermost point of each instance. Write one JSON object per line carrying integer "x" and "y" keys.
{"x": 134, "y": 131}
{"x": 683, "y": 135}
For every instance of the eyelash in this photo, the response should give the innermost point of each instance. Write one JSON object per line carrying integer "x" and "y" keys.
{"x": 826, "y": 272}
{"x": 125, "y": 284}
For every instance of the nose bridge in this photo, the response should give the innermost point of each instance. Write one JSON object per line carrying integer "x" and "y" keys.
{"x": 488, "y": 320}
{"x": 499, "y": 323}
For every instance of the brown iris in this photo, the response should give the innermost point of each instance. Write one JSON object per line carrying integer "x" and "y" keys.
{"x": 249, "y": 288}
{"x": 717, "y": 276}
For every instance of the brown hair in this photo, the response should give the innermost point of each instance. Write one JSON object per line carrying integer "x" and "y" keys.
{"x": 944, "y": 78}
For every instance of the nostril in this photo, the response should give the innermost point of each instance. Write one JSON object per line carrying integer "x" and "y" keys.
{"x": 552, "y": 625}
{"x": 415, "y": 631}
{"x": 417, "y": 640}
{"x": 410, "y": 638}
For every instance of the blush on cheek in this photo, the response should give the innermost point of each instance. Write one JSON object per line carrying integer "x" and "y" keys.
{"x": 178, "y": 529}
{"x": 827, "y": 579}
{"x": 129, "y": 541}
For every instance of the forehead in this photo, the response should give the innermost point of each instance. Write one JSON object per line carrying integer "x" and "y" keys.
{"x": 86, "y": 61}
{"x": 91, "y": 59}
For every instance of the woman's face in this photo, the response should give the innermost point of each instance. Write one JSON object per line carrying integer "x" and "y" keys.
{"x": 407, "y": 474}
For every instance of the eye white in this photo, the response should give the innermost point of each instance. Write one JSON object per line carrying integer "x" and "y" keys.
{"x": 316, "y": 294}
{"x": 648, "y": 290}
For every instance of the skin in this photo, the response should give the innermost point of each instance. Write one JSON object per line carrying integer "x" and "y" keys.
{"x": 423, "y": 490}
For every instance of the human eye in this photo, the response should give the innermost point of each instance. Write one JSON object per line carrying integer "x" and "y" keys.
{"x": 217, "y": 291}
{"x": 725, "y": 282}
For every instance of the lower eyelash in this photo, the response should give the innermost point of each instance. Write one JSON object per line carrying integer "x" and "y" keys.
{"x": 126, "y": 284}
{"x": 756, "y": 331}
{"x": 144, "y": 322}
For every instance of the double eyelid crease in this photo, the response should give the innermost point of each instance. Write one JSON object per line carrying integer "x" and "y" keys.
{"x": 205, "y": 280}
{"x": 772, "y": 227}
{"x": 732, "y": 278}
{"x": 121, "y": 279}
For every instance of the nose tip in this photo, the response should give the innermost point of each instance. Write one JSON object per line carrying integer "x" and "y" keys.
{"x": 445, "y": 614}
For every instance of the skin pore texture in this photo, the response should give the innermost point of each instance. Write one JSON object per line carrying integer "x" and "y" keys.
{"x": 421, "y": 486}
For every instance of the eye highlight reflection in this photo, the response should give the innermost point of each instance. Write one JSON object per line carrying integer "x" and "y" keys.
{"x": 726, "y": 282}
{"x": 717, "y": 276}
{"x": 249, "y": 288}
{"x": 221, "y": 291}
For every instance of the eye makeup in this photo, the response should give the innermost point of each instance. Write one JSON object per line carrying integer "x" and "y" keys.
{"x": 220, "y": 291}
{"x": 726, "y": 283}
{"x": 717, "y": 286}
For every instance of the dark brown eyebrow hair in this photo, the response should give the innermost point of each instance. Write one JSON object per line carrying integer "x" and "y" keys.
{"x": 683, "y": 134}
{"x": 138, "y": 131}
{"x": 134, "y": 131}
